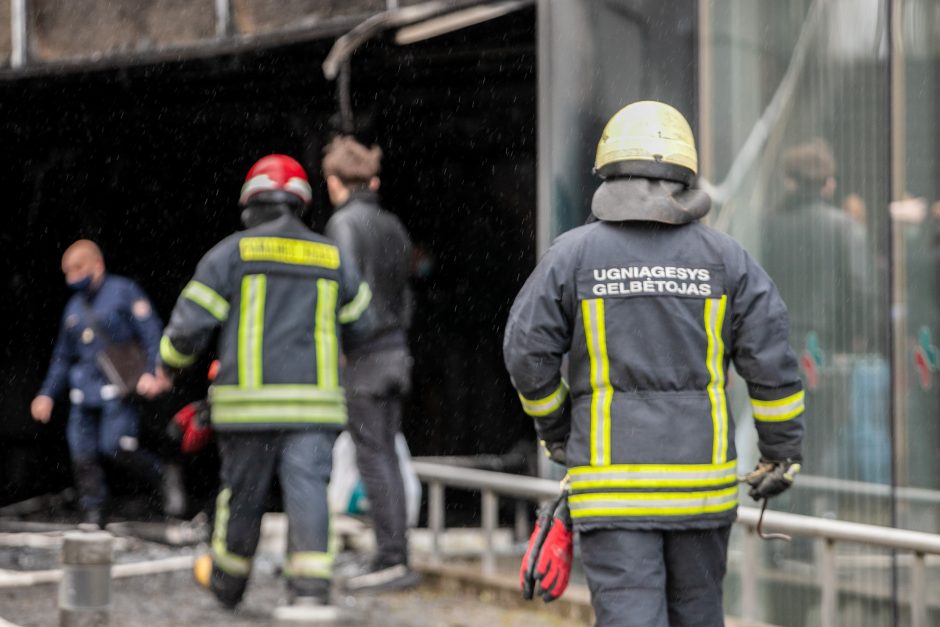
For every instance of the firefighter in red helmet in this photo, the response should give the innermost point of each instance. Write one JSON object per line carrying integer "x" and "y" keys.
{"x": 278, "y": 293}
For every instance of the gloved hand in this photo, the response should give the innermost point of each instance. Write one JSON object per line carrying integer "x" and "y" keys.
{"x": 553, "y": 568}
{"x": 770, "y": 478}
{"x": 546, "y": 566}
{"x": 527, "y": 569}
{"x": 555, "y": 451}
{"x": 190, "y": 427}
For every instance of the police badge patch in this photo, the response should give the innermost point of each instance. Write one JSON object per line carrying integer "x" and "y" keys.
{"x": 141, "y": 309}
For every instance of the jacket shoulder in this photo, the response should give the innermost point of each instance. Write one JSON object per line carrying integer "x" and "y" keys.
{"x": 119, "y": 290}
{"x": 346, "y": 213}
{"x": 732, "y": 252}
{"x": 123, "y": 284}
{"x": 576, "y": 238}
{"x": 222, "y": 252}
{"x": 719, "y": 238}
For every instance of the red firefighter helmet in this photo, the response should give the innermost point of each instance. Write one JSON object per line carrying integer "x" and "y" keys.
{"x": 276, "y": 173}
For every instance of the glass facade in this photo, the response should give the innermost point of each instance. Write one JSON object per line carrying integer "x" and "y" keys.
{"x": 819, "y": 133}
{"x": 594, "y": 57}
{"x": 819, "y": 140}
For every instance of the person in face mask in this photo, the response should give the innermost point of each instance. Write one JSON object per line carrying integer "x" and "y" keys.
{"x": 105, "y": 309}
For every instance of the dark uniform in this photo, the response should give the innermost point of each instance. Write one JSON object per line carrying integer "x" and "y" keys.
{"x": 651, "y": 308}
{"x": 378, "y": 369}
{"x": 280, "y": 294}
{"x": 102, "y": 423}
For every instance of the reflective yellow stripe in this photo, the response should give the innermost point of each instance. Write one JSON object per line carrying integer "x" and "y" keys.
{"x": 272, "y": 414}
{"x": 353, "y": 310}
{"x": 635, "y": 504}
{"x": 779, "y": 410}
{"x": 327, "y": 355}
{"x": 293, "y": 251}
{"x": 309, "y": 564}
{"x": 207, "y": 298}
{"x": 715, "y": 362}
{"x": 226, "y": 561}
{"x": 275, "y": 394}
{"x": 272, "y": 404}
{"x": 173, "y": 357}
{"x": 602, "y": 393}
{"x": 251, "y": 330}
{"x": 547, "y": 405}
{"x": 652, "y": 476}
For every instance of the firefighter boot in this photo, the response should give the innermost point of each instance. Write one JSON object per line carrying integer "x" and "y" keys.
{"x": 228, "y": 589}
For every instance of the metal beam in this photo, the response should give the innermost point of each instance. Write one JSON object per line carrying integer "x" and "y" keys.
{"x": 19, "y": 33}
{"x": 346, "y": 45}
{"x": 223, "y": 19}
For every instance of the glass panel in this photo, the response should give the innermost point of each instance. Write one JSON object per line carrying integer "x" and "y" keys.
{"x": 598, "y": 57}
{"x": 916, "y": 269}
{"x": 797, "y": 118}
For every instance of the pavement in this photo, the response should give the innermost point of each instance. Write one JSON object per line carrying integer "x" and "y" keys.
{"x": 171, "y": 599}
{"x": 152, "y": 585}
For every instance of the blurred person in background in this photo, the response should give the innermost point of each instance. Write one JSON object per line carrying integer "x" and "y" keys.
{"x": 105, "y": 311}
{"x": 818, "y": 255}
{"x": 378, "y": 366}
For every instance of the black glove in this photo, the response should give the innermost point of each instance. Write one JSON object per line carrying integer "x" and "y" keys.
{"x": 555, "y": 451}
{"x": 770, "y": 478}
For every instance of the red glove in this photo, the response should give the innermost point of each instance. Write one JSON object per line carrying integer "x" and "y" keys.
{"x": 192, "y": 425}
{"x": 553, "y": 568}
{"x": 546, "y": 566}
{"x": 536, "y": 540}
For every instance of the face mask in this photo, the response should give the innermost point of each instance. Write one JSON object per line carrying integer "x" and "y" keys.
{"x": 81, "y": 285}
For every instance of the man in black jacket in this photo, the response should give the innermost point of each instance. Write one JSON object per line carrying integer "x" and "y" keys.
{"x": 378, "y": 368}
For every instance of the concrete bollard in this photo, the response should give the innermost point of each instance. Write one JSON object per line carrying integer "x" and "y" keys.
{"x": 85, "y": 590}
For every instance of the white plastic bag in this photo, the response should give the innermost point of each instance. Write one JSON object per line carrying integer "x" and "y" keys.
{"x": 347, "y": 494}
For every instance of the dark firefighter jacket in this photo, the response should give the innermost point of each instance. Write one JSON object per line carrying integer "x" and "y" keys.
{"x": 381, "y": 249}
{"x": 122, "y": 311}
{"x": 651, "y": 315}
{"x": 280, "y": 293}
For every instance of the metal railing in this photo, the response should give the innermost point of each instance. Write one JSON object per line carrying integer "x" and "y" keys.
{"x": 494, "y": 484}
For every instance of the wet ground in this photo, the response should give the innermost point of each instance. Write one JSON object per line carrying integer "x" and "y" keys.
{"x": 171, "y": 599}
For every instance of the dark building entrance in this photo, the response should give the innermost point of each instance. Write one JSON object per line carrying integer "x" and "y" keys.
{"x": 148, "y": 162}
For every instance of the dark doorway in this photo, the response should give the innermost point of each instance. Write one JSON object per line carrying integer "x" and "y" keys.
{"x": 148, "y": 161}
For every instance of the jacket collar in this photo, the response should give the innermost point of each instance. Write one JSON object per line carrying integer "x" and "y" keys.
{"x": 650, "y": 200}
{"x": 363, "y": 196}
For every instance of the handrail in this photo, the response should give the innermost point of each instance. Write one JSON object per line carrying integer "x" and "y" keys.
{"x": 922, "y": 496}
{"x": 826, "y": 530}
{"x": 843, "y": 531}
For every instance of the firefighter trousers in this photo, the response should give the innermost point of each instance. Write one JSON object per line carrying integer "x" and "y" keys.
{"x": 656, "y": 578}
{"x": 302, "y": 461}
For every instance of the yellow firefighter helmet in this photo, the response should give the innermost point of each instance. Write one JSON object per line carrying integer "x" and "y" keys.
{"x": 649, "y": 139}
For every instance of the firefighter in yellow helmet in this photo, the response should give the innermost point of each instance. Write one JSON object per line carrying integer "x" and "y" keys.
{"x": 652, "y": 307}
